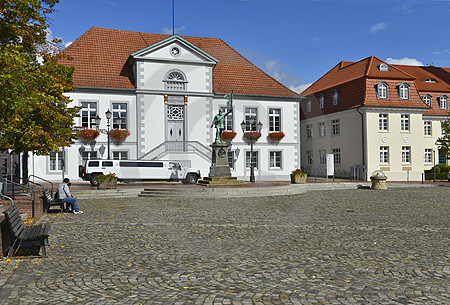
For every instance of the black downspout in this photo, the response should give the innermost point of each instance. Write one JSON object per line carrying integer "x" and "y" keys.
{"x": 363, "y": 145}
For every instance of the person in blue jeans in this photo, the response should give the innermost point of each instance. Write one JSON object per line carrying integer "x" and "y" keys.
{"x": 65, "y": 196}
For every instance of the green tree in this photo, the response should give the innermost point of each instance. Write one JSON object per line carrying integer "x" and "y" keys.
{"x": 34, "y": 117}
{"x": 444, "y": 141}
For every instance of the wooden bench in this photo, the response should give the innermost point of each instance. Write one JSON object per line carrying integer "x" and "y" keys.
{"x": 23, "y": 236}
{"x": 50, "y": 202}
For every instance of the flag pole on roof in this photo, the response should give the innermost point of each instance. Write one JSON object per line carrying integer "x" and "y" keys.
{"x": 173, "y": 17}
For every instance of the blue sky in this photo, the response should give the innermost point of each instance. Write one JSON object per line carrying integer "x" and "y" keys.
{"x": 295, "y": 41}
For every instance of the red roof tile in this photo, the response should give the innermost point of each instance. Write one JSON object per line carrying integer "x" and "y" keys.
{"x": 362, "y": 76}
{"x": 100, "y": 56}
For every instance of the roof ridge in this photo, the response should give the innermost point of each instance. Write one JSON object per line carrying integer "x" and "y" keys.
{"x": 368, "y": 65}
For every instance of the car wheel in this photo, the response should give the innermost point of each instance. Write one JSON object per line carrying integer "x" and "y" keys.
{"x": 191, "y": 179}
{"x": 94, "y": 180}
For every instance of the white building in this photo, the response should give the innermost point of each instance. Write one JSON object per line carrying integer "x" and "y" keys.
{"x": 167, "y": 89}
{"x": 375, "y": 116}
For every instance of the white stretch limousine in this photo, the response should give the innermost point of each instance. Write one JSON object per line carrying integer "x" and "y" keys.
{"x": 138, "y": 170}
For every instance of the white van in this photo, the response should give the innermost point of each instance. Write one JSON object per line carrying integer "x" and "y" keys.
{"x": 138, "y": 170}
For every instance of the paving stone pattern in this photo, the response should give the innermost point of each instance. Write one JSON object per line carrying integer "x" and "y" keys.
{"x": 322, "y": 247}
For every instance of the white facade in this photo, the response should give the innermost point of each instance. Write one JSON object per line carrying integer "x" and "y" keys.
{"x": 169, "y": 115}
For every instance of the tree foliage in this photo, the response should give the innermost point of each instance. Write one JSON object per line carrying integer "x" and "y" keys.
{"x": 34, "y": 116}
{"x": 444, "y": 141}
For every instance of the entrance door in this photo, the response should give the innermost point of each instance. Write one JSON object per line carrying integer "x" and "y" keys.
{"x": 175, "y": 127}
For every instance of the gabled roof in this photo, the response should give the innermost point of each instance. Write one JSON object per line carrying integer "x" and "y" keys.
{"x": 100, "y": 58}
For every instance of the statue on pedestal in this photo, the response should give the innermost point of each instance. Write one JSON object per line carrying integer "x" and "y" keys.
{"x": 219, "y": 119}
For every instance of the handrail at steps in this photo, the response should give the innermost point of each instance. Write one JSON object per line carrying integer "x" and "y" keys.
{"x": 33, "y": 206}
{"x": 177, "y": 146}
{"x": 51, "y": 191}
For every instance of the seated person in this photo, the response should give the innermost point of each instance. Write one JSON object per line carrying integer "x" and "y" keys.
{"x": 65, "y": 196}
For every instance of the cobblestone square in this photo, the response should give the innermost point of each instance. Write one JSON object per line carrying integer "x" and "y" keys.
{"x": 324, "y": 247}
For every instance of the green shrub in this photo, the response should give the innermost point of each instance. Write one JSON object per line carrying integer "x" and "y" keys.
{"x": 440, "y": 168}
{"x": 102, "y": 178}
{"x": 440, "y": 176}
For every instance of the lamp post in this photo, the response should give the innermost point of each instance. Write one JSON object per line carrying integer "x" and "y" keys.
{"x": 253, "y": 127}
{"x": 108, "y": 115}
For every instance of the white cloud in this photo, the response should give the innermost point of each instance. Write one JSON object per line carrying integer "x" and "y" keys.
{"x": 404, "y": 61}
{"x": 281, "y": 73}
{"x": 168, "y": 31}
{"x": 300, "y": 88}
{"x": 378, "y": 27}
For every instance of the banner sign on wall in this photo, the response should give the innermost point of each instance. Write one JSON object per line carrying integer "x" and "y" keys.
{"x": 330, "y": 164}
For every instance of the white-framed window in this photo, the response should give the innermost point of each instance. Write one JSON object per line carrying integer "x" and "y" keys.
{"x": 382, "y": 89}
{"x": 335, "y": 97}
{"x": 228, "y": 123}
{"x": 119, "y": 110}
{"x": 309, "y": 105}
{"x": 403, "y": 91}
{"x": 428, "y": 155}
{"x": 443, "y": 102}
{"x": 336, "y": 127}
{"x": 384, "y": 154}
{"x": 274, "y": 119}
{"x": 427, "y": 99}
{"x": 88, "y": 114}
{"x": 120, "y": 155}
{"x": 404, "y": 122}
{"x": 231, "y": 160}
{"x": 383, "y": 67}
{"x": 322, "y": 99}
{"x": 322, "y": 157}
{"x": 250, "y": 112}
{"x": 309, "y": 131}
{"x": 322, "y": 129}
{"x": 275, "y": 159}
{"x": 427, "y": 128}
{"x": 406, "y": 154}
{"x": 56, "y": 160}
{"x": 383, "y": 122}
{"x": 175, "y": 80}
{"x": 337, "y": 156}
{"x": 309, "y": 158}
{"x": 248, "y": 159}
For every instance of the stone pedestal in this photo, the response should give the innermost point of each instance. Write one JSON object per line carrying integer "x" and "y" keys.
{"x": 378, "y": 180}
{"x": 219, "y": 171}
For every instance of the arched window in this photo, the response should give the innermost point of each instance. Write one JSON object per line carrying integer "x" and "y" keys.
{"x": 335, "y": 97}
{"x": 427, "y": 99}
{"x": 443, "y": 102}
{"x": 403, "y": 91}
{"x": 175, "y": 80}
{"x": 308, "y": 105}
{"x": 322, "y": 99}
{"x": 382, "y": 90}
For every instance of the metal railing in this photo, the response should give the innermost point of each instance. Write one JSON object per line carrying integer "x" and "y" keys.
{"x": 176, "y": 146}
{"x": 51, "y": 191}
{"x": 33, "y": 205}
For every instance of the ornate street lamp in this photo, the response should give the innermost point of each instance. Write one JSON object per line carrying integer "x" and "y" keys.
{"x": 253, "y": 127}
{"x": 108, "y": 115}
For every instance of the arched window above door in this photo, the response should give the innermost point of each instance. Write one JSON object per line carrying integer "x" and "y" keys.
{"x": 175, "y": 80}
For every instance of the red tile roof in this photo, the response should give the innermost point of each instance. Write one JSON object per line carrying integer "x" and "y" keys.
{"x": 100, "y": 56}
{"x": 356, "y": 81}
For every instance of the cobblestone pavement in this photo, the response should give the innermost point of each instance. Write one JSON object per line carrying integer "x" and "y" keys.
{"x": 330, "y": 247}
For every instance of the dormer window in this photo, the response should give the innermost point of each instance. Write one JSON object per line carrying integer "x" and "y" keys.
{"x": 382, "y": 90}
{"x": 383, "y": 67}
{"x": 427, "y": 99}
{"x": 175, "y": 80}
{"x": 443, "y": 101}
{"x": 403, "y": 91}
{"x": 322, "y": 99}
{"x": 335, "y": 97}
{"x": 308, "y": 105}
{"x": 430, "y": 80}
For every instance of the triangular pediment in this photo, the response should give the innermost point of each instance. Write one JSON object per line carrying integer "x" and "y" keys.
{"x": 175, "y": 48}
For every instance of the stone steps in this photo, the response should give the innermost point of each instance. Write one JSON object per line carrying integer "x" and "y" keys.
{"x": 109, "y": 193}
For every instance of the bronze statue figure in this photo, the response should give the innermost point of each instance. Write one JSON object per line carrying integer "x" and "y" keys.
{"x": 219, "y": 119}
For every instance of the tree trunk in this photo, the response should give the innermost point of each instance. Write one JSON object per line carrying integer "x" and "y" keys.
{"x": 25, "y": 167}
